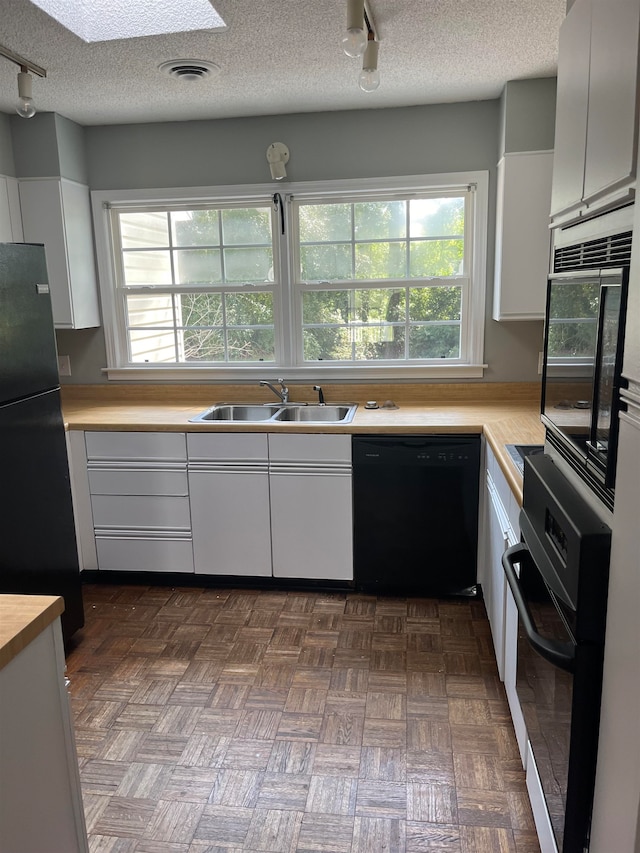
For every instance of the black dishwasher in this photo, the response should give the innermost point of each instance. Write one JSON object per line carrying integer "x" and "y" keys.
{"x": 415, "y": 508}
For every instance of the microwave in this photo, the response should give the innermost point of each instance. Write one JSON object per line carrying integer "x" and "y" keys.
{"x": 584, "y": 338}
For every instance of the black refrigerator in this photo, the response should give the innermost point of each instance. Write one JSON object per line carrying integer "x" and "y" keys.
{"x": 38, "y": 553}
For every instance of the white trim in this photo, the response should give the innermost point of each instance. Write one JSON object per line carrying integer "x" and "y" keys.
{"x": 473, "y": 321}
{"x": 212, "y": 375}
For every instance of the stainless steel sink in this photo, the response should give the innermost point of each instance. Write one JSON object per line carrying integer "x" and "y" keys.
{"x": 333, "y": 414}
{"x": 340, "y": 413}
{"x": 236, "y": 412}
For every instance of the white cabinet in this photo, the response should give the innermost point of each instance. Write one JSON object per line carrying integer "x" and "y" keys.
{"x": 10, "y": 220}
{"x": 139, "y": 495}
{"x": 522, "y": 235}
{"x": 596, "y": 114}
{"x": 40, "y": 795}
{"x": 271, "y": 505}
{"x": 229, "y": 493}
{"x": 311, "y": 506}
{"x": 572, "y": 102}
{"x": 501, "y": 530}
{"x": 57, "y": 212}
{"x": 494, "y": 586}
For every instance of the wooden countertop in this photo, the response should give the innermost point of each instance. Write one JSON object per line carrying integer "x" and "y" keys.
{"x": 22, "y": 618}
{"x": 507, "y": 413}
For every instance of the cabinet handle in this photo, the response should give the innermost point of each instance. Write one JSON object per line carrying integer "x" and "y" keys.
{"x": 559, "y": 654}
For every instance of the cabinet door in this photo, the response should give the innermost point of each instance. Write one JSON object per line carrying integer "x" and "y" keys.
{"x": 58, "y": 214}
{"x": 522, "y": 236}
{"x": 613, "y": 109}
{"x": 571, "y": 109}
{"x": 230, "y": 522}
{"x": 311, "y": 525}
{"x": 495, "y": 602}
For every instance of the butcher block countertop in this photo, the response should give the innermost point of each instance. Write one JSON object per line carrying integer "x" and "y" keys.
{"x": 507, "y": 413}
{"x": 22, "y": 619}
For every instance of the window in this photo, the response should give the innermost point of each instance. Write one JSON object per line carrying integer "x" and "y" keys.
{"x": 343, "y": 278}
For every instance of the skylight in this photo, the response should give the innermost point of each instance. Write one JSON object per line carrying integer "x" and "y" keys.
{"x": 107, "y": 20}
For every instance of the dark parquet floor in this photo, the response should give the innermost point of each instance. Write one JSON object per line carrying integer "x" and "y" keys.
{"x": 224, "y": 720}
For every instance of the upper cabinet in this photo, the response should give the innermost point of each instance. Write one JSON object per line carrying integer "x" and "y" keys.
{"x": 57, "y": 212}
{"x": 522, "y": 235}
{"x": 594, "y": 165}
{"x": 10, "y": 221}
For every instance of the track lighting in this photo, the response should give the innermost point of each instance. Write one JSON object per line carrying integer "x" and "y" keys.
{"x": 277, "y": 156}
{"x": 25, "y": 106}
{"x": 369, "y": 79}
{"x": 354, "y": 40}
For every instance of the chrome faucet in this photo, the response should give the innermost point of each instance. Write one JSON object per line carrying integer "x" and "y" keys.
{"x": 283, "y": 394}
{"x": 318, "y": 388}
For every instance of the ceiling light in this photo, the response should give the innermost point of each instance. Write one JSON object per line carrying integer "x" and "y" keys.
{"x": 354, "y": 40}
{"x": 369, "y": 79}
{"x": 277, "y": 156}
{"x": 25, "y": 106}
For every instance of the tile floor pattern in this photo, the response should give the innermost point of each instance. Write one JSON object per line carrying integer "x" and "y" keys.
{"x": 220, "y": 721}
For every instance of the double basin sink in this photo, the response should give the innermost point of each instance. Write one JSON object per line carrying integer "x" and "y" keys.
{"x": 310, "y": 413}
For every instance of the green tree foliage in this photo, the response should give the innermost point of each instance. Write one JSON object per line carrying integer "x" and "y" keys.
{"x": 372, "y": 323}
{"x": 573, "y": 311}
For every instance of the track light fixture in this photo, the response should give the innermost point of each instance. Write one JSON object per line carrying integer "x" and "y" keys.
{"x": 25, "y": 106}
{"x": 361, "y": 40}
{"x": 277, "y": 157}
{"x": 354, "y": 40}
{"x": 369, "y": 78}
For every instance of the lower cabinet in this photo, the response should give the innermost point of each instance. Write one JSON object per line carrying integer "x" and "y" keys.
{"x": 311, "y": 506}
{"x": 139, "y": 496}
{"x": 229, "y": 494}
{"x": 501, "y": 530}
{"x": 40, "y": 794}
{"x": 271, "y": 505}
{"x": 234, "y": 504}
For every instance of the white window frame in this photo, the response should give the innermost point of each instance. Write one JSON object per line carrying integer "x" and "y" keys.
{"x": 285, "y": 306}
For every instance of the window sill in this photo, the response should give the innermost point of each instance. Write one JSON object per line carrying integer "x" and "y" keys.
{"x": 310, "y": 373}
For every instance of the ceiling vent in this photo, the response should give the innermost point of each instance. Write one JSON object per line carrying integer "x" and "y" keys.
{"x": 190, "y": 70}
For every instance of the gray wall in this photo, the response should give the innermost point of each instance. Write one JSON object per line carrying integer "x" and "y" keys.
{"x": 48, "y": 145}
{"x": 331, "y": 145}
{"x": 7, "y": 165}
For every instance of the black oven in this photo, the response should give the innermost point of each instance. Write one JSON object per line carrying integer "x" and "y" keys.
{"x": 559, "y": 578}
{"x": 584, "y": 336}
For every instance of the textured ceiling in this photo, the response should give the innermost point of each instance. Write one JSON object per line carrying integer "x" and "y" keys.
{"x": 284, "y": 56}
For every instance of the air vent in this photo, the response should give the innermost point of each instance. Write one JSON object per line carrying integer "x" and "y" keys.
{"x": 190, "y": 70}
{"x": 607, "y": 252}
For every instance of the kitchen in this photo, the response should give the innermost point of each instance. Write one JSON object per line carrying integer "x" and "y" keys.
{"x": 468, "y": 136}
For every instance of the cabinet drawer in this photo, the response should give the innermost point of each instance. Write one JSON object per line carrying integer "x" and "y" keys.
{"x": 230, "y": 446}
{"x": 310, "y": 448}
{"x": 132, "y": 511}
{"x": 144, "y": 555}
{"x": 131, "y": 481}
{"x": 136, "y": 446}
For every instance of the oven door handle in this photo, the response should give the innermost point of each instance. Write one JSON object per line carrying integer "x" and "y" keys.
{"x": 559, "y": 654}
